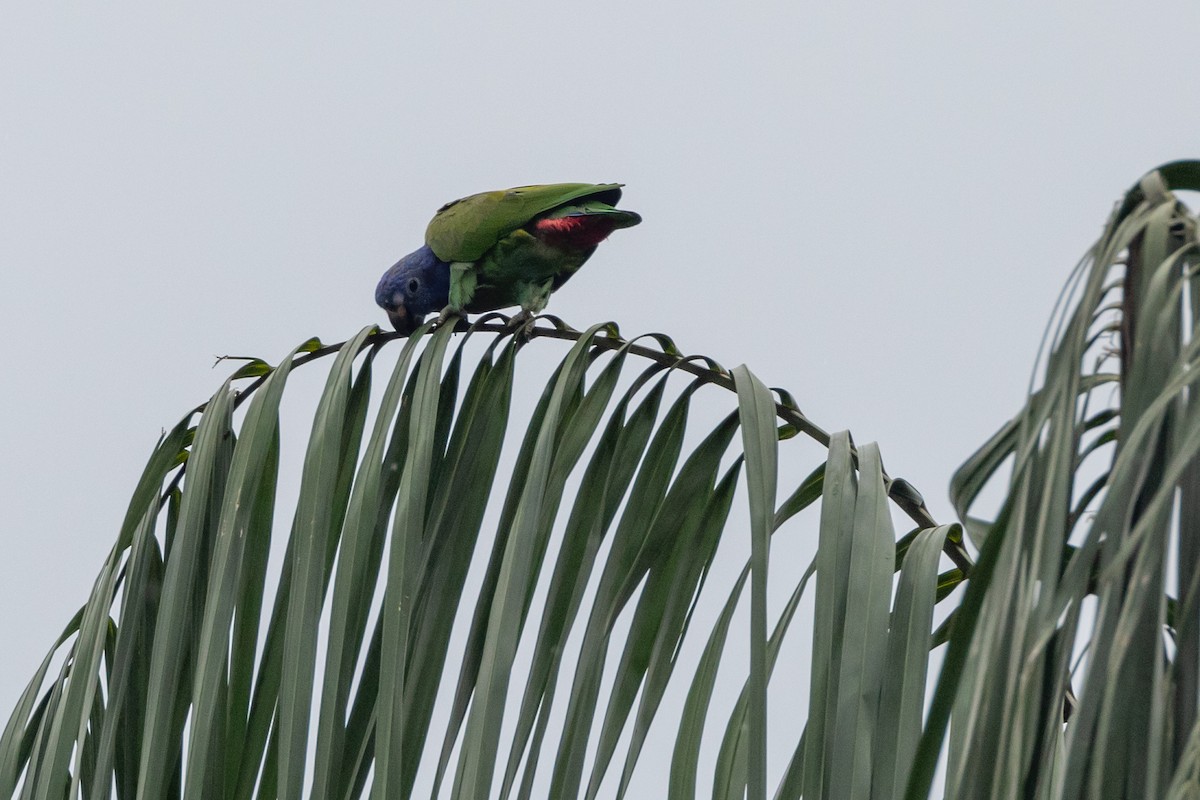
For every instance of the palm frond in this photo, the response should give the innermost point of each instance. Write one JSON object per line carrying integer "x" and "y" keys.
{"x": 1074, "y": 566}
{"x": 197, "y": 686}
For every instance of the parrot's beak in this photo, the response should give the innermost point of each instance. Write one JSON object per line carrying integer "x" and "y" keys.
{"x": 401, "y": 320}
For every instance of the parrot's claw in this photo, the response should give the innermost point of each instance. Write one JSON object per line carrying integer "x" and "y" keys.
{"x": 521, "y": 324}
{"x": 448, "y": 313}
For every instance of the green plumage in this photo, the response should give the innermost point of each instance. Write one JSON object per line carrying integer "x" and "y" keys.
{"x": 502, "y": 254}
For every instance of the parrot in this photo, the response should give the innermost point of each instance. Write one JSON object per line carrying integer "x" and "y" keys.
{"x": 492, "y": 250}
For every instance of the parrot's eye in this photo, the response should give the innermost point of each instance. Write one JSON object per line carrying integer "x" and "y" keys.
{"x": 413, "y": 285}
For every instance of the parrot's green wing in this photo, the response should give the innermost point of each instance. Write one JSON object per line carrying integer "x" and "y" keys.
{"x": 464, "y": 230}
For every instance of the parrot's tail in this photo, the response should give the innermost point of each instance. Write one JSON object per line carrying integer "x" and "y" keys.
{"x": 583, "y": 226}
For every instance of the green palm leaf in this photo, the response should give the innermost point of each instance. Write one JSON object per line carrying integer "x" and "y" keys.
{"x": 1095, "y": 474}
{"x": 210, "y": 691}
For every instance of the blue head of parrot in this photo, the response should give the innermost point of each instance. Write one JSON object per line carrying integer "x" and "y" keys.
{"x": 414, "y": 286}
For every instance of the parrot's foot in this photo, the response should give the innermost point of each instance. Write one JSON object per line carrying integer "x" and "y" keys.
{"x": 448, "y": 313}
{"x": 521, "y": 324}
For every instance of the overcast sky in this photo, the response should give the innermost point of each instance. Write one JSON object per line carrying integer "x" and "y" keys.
{"x": 873, "y": 206}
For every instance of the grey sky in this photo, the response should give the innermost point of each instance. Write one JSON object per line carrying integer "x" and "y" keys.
{"x": 872, "y": 206}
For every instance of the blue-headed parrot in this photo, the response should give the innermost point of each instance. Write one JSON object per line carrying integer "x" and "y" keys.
{"x": 498, "y": 249}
